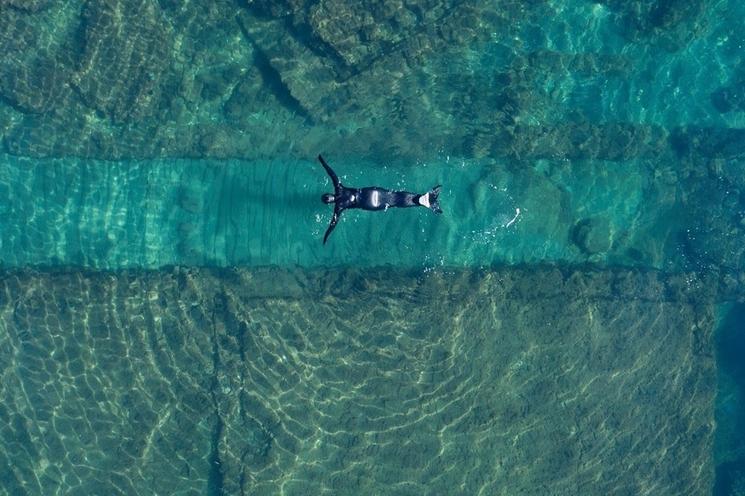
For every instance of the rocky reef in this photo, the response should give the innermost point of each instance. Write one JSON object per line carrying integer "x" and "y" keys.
{"x": 123, "y": 79}
{"x": 245, "y": 382}
{"x": 670, "y": 23}
{"x": 124, "y": 61}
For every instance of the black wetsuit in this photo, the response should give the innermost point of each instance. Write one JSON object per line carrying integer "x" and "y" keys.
{"x": 371, "y": 198}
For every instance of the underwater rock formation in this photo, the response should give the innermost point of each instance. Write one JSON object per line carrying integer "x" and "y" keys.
{"x": 125, "y": 59}
{"x": 34, "y": 80}
{"x": 731, "y": 97}
{"x": 192, "y": 380}
{"x": 27, "y": 5}
{"x": 669, "y": 23}
{"x": 592, "y": 236}
{"x": 124, "y": 79}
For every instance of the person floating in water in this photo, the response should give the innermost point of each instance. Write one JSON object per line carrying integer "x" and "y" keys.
{"x": 372, "y": 198}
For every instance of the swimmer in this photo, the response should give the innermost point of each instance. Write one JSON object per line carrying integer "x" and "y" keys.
{"x": 373, "y": 198}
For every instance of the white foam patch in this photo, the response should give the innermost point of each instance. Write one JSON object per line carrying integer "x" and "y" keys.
{"x": 517, "y": 214}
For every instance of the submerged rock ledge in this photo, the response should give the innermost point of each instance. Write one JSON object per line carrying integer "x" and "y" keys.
{"x": 518, "y": 380}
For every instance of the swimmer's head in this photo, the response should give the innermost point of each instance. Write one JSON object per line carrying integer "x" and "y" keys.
{"x": 328, "y": 198}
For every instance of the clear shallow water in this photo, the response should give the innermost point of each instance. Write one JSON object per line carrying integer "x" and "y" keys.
{"x": 201, "y": 212}
{"x": 414, "y": 354}
{"x": 729, "y": 410}
{"x": 357, "y": 380}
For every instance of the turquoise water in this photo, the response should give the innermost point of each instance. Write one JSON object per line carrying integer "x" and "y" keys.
{"x": 729, "y": 411}
{"x": 171, "y": 323}
{"x": 253, "y": 213}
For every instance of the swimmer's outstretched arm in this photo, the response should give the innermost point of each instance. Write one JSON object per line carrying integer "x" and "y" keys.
{"x": 331, "y": 173}
{"x": 332, "y": 225}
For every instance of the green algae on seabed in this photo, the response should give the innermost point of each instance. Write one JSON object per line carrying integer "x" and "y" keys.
{"x": 244, "y": 381}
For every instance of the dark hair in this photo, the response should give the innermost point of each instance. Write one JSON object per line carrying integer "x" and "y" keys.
{"x": 327, "y": 198}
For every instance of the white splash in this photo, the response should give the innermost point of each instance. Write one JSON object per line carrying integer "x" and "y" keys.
{"x": 517, "y": 214}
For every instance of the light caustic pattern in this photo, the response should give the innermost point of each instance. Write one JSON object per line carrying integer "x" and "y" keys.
{"x": 226, "y": 213}
{"x": 238, "y": 380}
